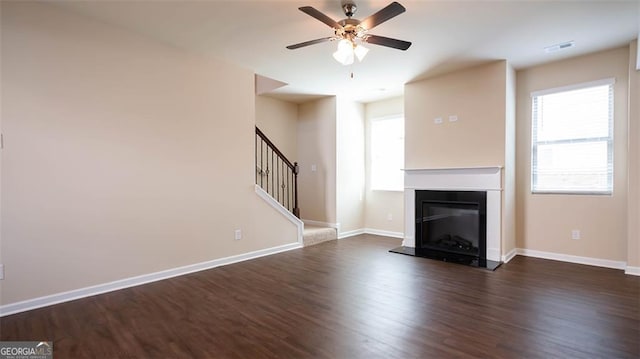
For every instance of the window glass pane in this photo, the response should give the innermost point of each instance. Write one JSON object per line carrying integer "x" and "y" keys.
{"x": 573, "y": 167}
{"x": 574, "y": 114}
{"x": 387, "y": 154}
{"x": 572, "y": 141}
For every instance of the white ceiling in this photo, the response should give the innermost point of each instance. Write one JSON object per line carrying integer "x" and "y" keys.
{"x": 446, "y": 35}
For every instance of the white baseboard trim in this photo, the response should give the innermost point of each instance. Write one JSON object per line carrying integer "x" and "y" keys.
{"x": 572, "y": 259}
{"x": 632, "y": 270}
{"x": 347, "y": 234}
{"x": 285, "y": 212}
{"x": 377, "y": 232}
{"x": 57, "y": 298}
{"x": 380, "y": 232}
{"x": 509, "y": 256}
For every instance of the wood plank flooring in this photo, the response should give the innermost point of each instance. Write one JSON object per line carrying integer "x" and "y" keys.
{"x": 351, "y": 298}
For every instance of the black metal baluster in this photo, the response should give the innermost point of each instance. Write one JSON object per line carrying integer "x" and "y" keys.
{"x": 288, "y": 196}
{"x": 296, "y": 209}
{"x": 278, "y": 170}
{"x": 278, "y": 179}
{"x": 281, "y": 181}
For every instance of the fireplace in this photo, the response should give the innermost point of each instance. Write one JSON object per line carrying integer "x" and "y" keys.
{"x": 451, "y": 225}
{"x": 463, "y": 218}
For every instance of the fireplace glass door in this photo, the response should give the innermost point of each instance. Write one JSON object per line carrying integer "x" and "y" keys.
{"x": 452, "y": 227}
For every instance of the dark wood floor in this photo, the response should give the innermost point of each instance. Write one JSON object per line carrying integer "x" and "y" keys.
{"x": 352, "y": 299}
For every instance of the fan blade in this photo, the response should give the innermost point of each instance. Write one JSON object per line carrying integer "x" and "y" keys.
{"x": 392, "y": 10}
{"x": 320, "y": 16}
{"x": 388, "y": 42}
{"x": 307, "y": 43}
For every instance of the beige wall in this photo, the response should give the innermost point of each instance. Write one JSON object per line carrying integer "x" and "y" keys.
{"x": 381, "y": 204}
{"x": 317, "y": 146}
{"x": 633, "y": 202}
{"x": 477, "y": 96}
{"x": 278, "y": 120}
{"x": 350, "y": 165}
{"x": 122, "y": 156}
{"x": 545, "y": 221}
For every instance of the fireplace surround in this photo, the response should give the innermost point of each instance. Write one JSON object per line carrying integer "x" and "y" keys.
{"x": 485, "y": 182}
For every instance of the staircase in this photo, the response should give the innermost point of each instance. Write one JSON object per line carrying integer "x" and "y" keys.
{"x": 277, "y": 176}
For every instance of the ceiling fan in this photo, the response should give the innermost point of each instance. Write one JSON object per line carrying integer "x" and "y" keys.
{"x": 352, "y": 33}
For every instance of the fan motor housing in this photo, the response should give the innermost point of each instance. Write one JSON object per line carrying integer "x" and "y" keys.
{"x": 350, "y": 28}
{"x": 349, "y": 24}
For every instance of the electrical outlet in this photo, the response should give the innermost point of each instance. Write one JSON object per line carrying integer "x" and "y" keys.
{"x": 575, "y": 234}
{"x": 238, "y": 234}
{"x": 1, "y": 271}
{"x": 389, "y": 217}
{"x": 437, "y": 120}
{"x": 453, "y": 118}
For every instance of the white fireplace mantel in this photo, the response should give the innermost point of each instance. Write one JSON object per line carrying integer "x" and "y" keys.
{"x": 461, "y": 178}
{"x": 487, "y": 179}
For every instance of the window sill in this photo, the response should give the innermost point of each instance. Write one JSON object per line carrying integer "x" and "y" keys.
{"x": 569, "y": 193}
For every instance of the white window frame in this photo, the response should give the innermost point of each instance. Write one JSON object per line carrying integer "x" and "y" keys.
{"x": 375, "y": 185}
{"x": 610, "y": 140}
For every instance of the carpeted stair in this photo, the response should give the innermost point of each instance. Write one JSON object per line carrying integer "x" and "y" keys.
{"x": 315, "y": 235}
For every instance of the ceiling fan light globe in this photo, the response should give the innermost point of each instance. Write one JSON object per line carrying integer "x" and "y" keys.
{"x": 360, "y": 52}
{"x": 345, "y": 45}
{"x": 344, "y": 55}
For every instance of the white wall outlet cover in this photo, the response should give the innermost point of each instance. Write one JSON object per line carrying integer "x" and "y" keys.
{"x": 314, "y": 168}
{"x": 575, "y": 234}
{"x": 1, "y": 271}
{"x": 453, "y": 118}
{"x": 238, "y": 234}
{"x": 437, "y": 120}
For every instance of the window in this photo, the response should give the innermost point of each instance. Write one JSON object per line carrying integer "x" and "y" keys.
{"x": 572, "y": 139}
{"x": 387, "y": 153}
